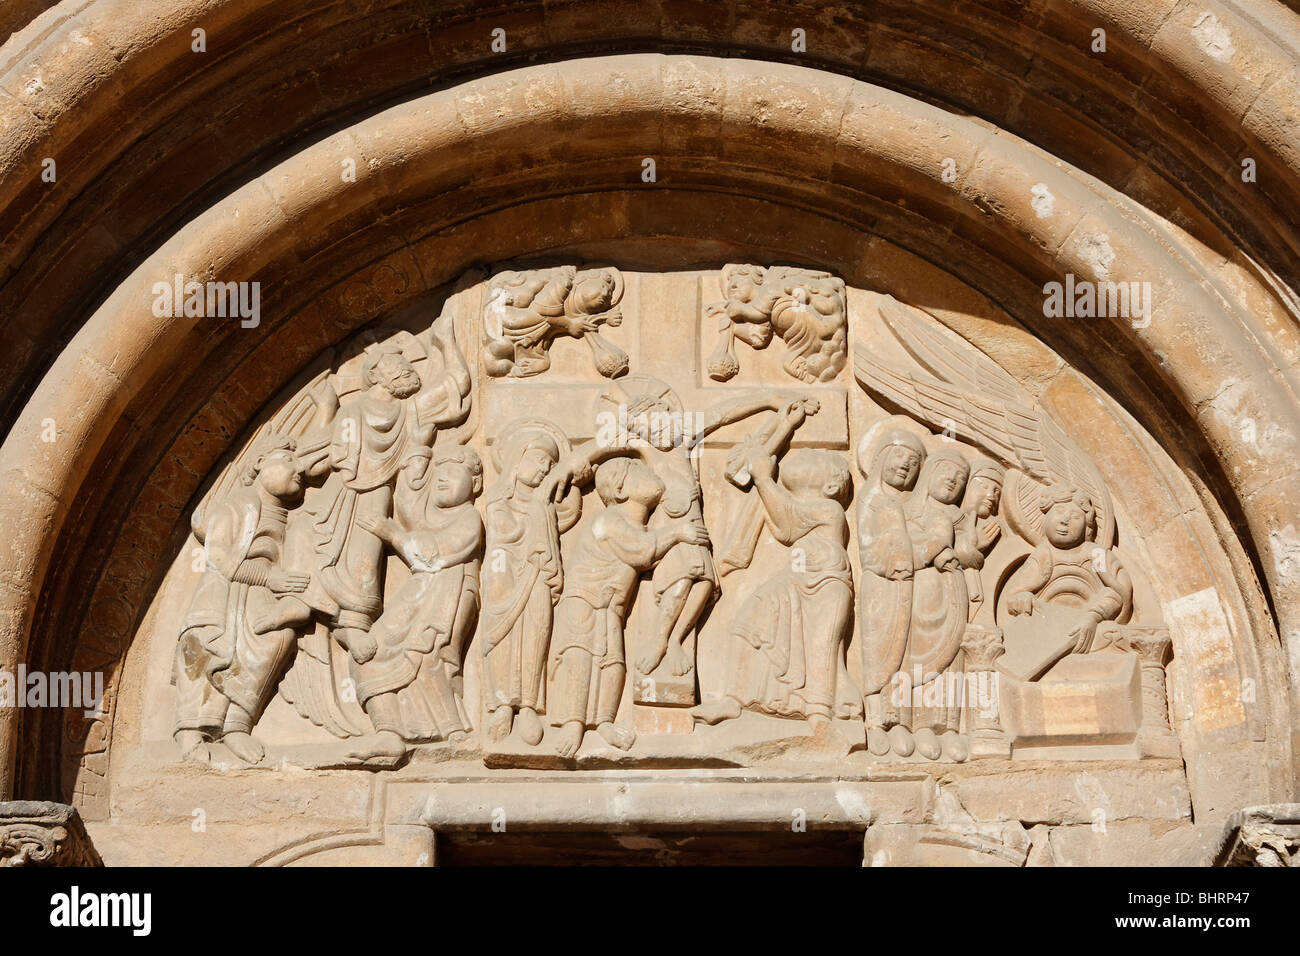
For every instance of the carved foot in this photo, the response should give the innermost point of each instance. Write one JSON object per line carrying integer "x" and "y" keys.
{"x": 359, "y": 643}
{"x": 652, "y": 658}
{"x": 927, "y": 744}
{"x": 621, "y": 737}
{"x": 679, "y": 662}
{"x": 900, "y": 740}
{"x": 245, "y": 746}
{"x": 499, "y": 727}
{"x": 716, "y": 711}
{"x": 955, "y": 747}
{"x": 383, "y": 749}
{"x": 529, "y": 726}
{"x": 569, "y": 739}
{"x": 877, "y": 741}
{"x": 194, "y": 746}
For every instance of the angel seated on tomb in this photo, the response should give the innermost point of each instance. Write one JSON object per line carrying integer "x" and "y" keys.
{"x": 1068, "y": 568}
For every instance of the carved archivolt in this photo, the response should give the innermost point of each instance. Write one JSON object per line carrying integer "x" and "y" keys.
{"x": 620, "y": 567}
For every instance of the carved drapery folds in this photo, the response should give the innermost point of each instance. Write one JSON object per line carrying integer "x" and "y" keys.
{"x": 542, "y": 567}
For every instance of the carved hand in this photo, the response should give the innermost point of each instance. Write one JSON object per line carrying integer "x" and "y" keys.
{"x": 692, "y": 533}
{"x": 382, "y": 528}
{"x": 901, "y": 571}
{"x": 287, "y": 582}
{"x": 1022, "y": 603}
{"x": 324, "y": 396}
{"x": 580, "y": 325}
{"x": 1084, "y": 633}
{"x": 762, "y": 466}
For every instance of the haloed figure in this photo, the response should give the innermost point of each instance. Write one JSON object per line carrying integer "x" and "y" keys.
{"x": 528, "y": 508}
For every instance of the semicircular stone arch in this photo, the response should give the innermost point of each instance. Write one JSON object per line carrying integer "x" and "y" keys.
{"x": 535, "y": 169}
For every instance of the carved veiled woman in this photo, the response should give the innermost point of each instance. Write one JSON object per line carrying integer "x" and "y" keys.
{"x": 885, "y": 549}
{"x": 940, "y": 606}
{"x": 523, "y": 575}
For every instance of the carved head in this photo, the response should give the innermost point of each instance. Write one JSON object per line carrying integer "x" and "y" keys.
{"x": 1069, "y": 517}
{"x": 536, "y": 460}
{"x": 593, "y": 293}
{"x": 810, "y": 471}
{"x": 390, "y": 368}
{"x": 897, "y": 461}
{"x": 948, "y": 471}
{"x": 628, "y": 479}
{"x": 743, "y": 281}
{"x": 276, "y": 466}
{"x": 984, "y": 490}
{"x": 457, "y": 475}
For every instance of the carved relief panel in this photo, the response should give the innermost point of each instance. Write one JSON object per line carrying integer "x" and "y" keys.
{"x": 571, "y": 516}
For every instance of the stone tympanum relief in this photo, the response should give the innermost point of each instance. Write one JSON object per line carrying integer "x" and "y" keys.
{"x": 543, "y": 559}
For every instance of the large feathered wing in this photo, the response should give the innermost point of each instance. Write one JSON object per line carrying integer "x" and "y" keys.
{"x": 949, "y": 360}
{"x": 1013, "y": 432}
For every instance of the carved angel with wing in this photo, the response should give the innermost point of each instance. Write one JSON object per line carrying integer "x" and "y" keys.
{"x": 1052, "y": 494}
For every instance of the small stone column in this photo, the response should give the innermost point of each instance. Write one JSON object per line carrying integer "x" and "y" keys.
{"x": 1153, "y": 647}
{"x": 983, "y": 646}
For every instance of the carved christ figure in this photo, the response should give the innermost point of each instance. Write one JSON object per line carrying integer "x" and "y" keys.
{"x": 686, "y": 580}
{"x": 242, "y": 626}
{"x": 411, "y": 687}
{"x": 607, "y": 560}
{"x": 364, "y": 444}
{"x": 787, "y": 640}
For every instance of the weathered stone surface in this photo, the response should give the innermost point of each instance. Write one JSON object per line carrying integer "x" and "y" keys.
{"x": 651, "y": 445}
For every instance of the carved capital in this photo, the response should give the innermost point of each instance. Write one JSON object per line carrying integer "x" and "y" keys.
{"x": 1262, "y": 836}
{"x": 983, "y": 646}
{"x": 44, "y": 834}
{"x": 1152, "y": 644}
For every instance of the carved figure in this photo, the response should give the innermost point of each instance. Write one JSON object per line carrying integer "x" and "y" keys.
{"x": 805, "y": 308}
{"x": 1069, "y": 569}
{"x": 888, "y": 570}
{"x": 369, "y": 440}
{"x": 239, "y": 634}
{"x": 939, "y": 612}
{"x": 980, "y": 530}
{"x": 523, "y": 577}
{"x": 787, "y": 640}
{"x": 527, "y": 310}
{"x": 686, "y": 580}
{"x": 410, "y": 689}
{"x": 607, "y": 560}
